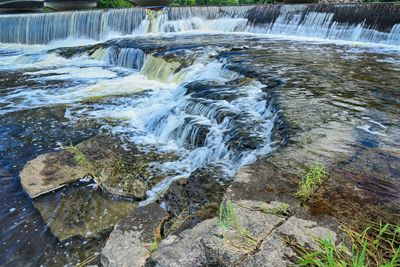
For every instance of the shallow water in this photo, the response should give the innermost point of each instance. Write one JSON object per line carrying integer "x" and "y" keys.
{"x": 207, "y": 97}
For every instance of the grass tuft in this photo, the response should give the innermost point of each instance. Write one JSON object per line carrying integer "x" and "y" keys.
{"x": 227, "y": 216}
{"x": 377, "y": 245}
{"x": 282, "y": 210}
{"x": 240, "y": 238}
{"x": 310, "y": 181}
{"x": 154, "y": 246}
{"x": 81, "y": 160}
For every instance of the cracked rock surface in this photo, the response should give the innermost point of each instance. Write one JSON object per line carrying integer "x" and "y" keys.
{"x": 129, "y": 244}
{"x": 209, "y": 244}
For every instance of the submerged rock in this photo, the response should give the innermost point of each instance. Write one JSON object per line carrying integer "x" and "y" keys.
{"x": 130, "y": 243}
{"x": 81, "y": 211}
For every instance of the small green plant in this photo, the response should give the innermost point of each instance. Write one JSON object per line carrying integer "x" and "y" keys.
{"x": 47, "y": 10}
{"x": 81, "y": 160}
{"x": 154, "y": 246}
{"x": 310, "y": 181}
{"x": 241, "y": 237}
{"x": 118, "y": 167}
{"x": 282, "y": 210}
{"x": 377, "y": 245}
{"x": 227, "y": 216}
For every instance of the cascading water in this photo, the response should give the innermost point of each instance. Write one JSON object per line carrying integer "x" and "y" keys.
{"x": 198, "y": 112}
{"x": 374, "y": 23}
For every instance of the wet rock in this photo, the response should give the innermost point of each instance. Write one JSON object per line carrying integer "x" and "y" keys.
{"x": 120, "y": 168}
{"x": 49, "y": 172}
{"x": 117, "y": 169}
{"x": 130, "y": 242}
{"x": 194, "y": 199}
{"x": 362, "y": 187}
{"x": 79, "y": 210}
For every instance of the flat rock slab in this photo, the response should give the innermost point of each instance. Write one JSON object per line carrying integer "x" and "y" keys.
{"x": 129, "y": 244}
{"x": 262, "y": 241}
{"x": 49, "y": 172}
{"x": 208, "y": 244}
{"x": 127, "y": 172}
{"x": 78, "y": 210}
{"x": 274, "y": 251}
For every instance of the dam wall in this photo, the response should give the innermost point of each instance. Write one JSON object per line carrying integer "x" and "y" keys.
{"x": 372, "y": 23}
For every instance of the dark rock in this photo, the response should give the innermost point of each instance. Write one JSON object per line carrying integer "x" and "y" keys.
{"x": 194, "y": 199}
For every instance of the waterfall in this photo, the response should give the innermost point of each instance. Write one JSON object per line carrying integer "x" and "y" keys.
{"x": 46, "y": 27}
{"x": 126, "y": 57}
{"x": 156, "y": 68}
{"x": 374, "y": 23}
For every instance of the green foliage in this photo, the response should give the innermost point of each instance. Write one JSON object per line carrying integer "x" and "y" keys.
{"x": 227, "y": 216}
{"x": 380, "y": 1}
{"x": 377, "y": 245}
{"x": 236, "y": 236}
{"x": 310, "y": 181}
{"x": 113, "y": 3}
{"x": 282, "y": 210}
{"x": 219, "y": 2}
{"x": 81, "y": 160}
{"x": 47, "y": 10}
{"x": 125, "y": 3}
{"x": 154, "y": 246}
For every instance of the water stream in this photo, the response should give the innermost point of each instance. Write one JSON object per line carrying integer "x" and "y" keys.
{"x": 196, "y": 82}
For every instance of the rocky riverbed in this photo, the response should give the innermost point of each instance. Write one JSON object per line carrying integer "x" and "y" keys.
{"x": 126, "y": 152}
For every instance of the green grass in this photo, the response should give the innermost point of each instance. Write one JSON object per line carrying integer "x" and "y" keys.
{"x": 282, "y": 210}
{"x": 227, "y": 217}
{"x": 236, "y": 236}
{"x": 377, "y": 245}
{"x": 81, "y": 160}
{"x": 310, "y": 181}
{"x": 154, "y": 246}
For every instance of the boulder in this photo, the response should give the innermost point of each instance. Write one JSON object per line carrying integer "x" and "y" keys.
{"x": 130, "y": 243}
